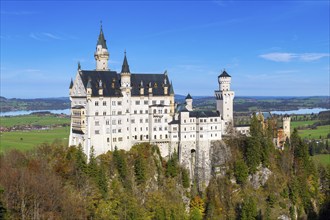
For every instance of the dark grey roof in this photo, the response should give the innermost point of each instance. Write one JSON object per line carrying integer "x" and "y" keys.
{"x": 77, "y": 131}
{"x": 101, "y": 41}
{"x": 71, "y": 84}
{"x": 111, "y": 82}
{"x": 188, "y": 96}
{"x": 203, "y": 114}
{"x": 224, "y": 74}
{"x": 108, "y": 78}
{"x": 156, "y": 81}
{"x": 125, "y": 66}
{"x": 181, "y": 108}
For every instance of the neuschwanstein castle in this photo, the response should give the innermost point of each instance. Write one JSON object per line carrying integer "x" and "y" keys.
{"x": 111, "y": 109}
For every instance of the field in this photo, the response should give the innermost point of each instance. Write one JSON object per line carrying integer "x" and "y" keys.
{"x": 33, "y": 120}
{"x": 25, "y": 140}
{"x": 295, "y": 124}
{"x": 321, "y": 131}
{"x": 322, "y": 158}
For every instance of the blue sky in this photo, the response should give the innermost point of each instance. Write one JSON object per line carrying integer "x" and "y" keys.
{"x": 270, "y": 48}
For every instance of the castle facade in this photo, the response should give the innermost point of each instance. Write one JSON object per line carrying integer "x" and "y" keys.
{"x": 112, "y": 109}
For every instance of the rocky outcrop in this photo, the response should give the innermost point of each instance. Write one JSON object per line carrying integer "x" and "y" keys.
{"x": 220, "y": 155}
{"x": 260, "y": 177}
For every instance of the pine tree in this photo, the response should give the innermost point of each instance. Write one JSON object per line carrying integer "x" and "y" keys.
{"x": 241, "y": 171}
{"x": 249, "y": 209}
{"x": 140, "y": 170}
{"x": 92, "y": 165}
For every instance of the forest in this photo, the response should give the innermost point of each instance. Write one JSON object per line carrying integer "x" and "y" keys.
{"x": 54, "y": 181}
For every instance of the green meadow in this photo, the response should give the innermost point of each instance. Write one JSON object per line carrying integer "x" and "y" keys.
{"x": 33, "y": 120}
{"x": 25, "y": 140}
{"x": 321, "y": 131}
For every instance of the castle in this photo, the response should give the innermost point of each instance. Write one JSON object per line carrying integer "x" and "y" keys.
{"x": 117, "y": 110}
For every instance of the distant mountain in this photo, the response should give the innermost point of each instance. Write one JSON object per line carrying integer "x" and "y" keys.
{"x": 15, "y": 104}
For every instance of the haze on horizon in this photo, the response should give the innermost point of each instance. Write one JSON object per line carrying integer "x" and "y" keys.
{"x": 276, "y": 48}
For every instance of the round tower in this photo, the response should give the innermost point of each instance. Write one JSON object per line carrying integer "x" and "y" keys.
{"x": 101, "y": 54}
{"x": 225, "y": 98}
{"x": 286, "y": 125}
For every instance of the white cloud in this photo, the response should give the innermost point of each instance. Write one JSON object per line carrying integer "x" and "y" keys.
{"x": 288, "y": 57}
{"x": 44, "y": 36}
{"x": 278, "y": 57}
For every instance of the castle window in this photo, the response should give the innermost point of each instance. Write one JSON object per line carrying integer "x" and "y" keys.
{"x": 119, "y": 102}
{"x": 146, "y": 112}
{"x": 165, "y": 135}
{"x": 134, "y": 129}
{"x": 165, "y": 119}
{"x": 146, "y": 102}
{"x": 146, "y": 120}
{"x": 201, "y": 136}
{"x": 140, "y": 128}
{"x": 137, "y": 102}
{"x": 215, "y": 120}
{"x": 160, "y": 128}
{"x": 104, "y": 103}
{"x": 155, "y": 111}
{"x": 184, "y": 121}
{"x": 96, "y": 113}
{"x": 97, "y": 123}
{"x": 114, "y": 139}
{"x": 162, "y": 102}
{"x": 141, "y": 120}
{"x": 132, "y": 121}
{"x": 104, "y": 113}
{"x": 97, "y": 131}
{"x": 113, "y": 103}
{"x": 119, "y": 122}
{"x": 155, "y": 129}
{"x": 155, "y": 137}
{"x": 113, "y": 122}
{"x": 120, "y": 112}
{"x": 147, "y": 137}
{"x": 141, "y": 111}
{"x": 160, "y": 136}
{"x": 211, "y": 120}
{"x": 108, "y": 140}
{"x": 165, "y": 111}
{"x": 96, "y": 103}
{"x": 113, "y": 112}
{"x": 120, "y": 139}
{"x": 114, "y": 131}
{"x": 135, "y": 111}
{"x": 119, "y": 130}
{"x": 108, "y": 130}
{"x": 146, "y": 128}
{"x": 154, "y": 102}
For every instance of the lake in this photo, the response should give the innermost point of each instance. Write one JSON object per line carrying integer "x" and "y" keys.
{"x": 301, "y": 111}
{"x": 15, "y": 113}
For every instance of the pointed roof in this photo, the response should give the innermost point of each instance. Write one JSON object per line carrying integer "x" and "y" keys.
{"x": 101, "y": 41}
{"x": 171, "y": 89}
{"x": 224, "y": 74}
{"x": 188, "y": 96}
{"x": 89, "y": 84}
{"x": 71, "y": 84}
{"x": 125, "y": 66}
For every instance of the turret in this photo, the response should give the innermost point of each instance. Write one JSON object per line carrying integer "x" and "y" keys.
{"x": 100, "y": 88}
{"x": 224, "y": 81}
{"x": 189, "y": 101}
{"x": 71, "y": 86}
{"x": 89, "y": 89}
{"x": 286, "y": 125}
{"x": 101, "y": 54}
{"x": 165, "y": 84}
{"x": 225, "y": 98}
{"x": 141, "y": 88}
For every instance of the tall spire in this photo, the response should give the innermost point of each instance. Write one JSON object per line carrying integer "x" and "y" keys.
{"x": 101, "y": 41}
{"x": 125, "y": 66}
{"x": 171, "y": 89}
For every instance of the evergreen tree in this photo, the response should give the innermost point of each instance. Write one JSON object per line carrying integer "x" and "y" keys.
{"x": 185, "y": 178}
{"x": 241, "y": 171}
{"x": 249, "y": 209}
{"x": 252, "y": 154}
{"x": 92, "y": 165}
{"x": 140, "y": 170}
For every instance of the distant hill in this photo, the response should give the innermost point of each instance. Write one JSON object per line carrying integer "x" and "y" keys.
{"x": 15, "y": 104}
{"x": 241, "y": 103}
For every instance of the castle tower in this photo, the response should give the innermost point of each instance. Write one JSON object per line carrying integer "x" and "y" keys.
{"x": 101, "y": 54}
{"x": 189, "y": 102}
{"x": 286, "y": 126}
{"x": 125, "y": 77}
{"x": 225, "y": 98}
